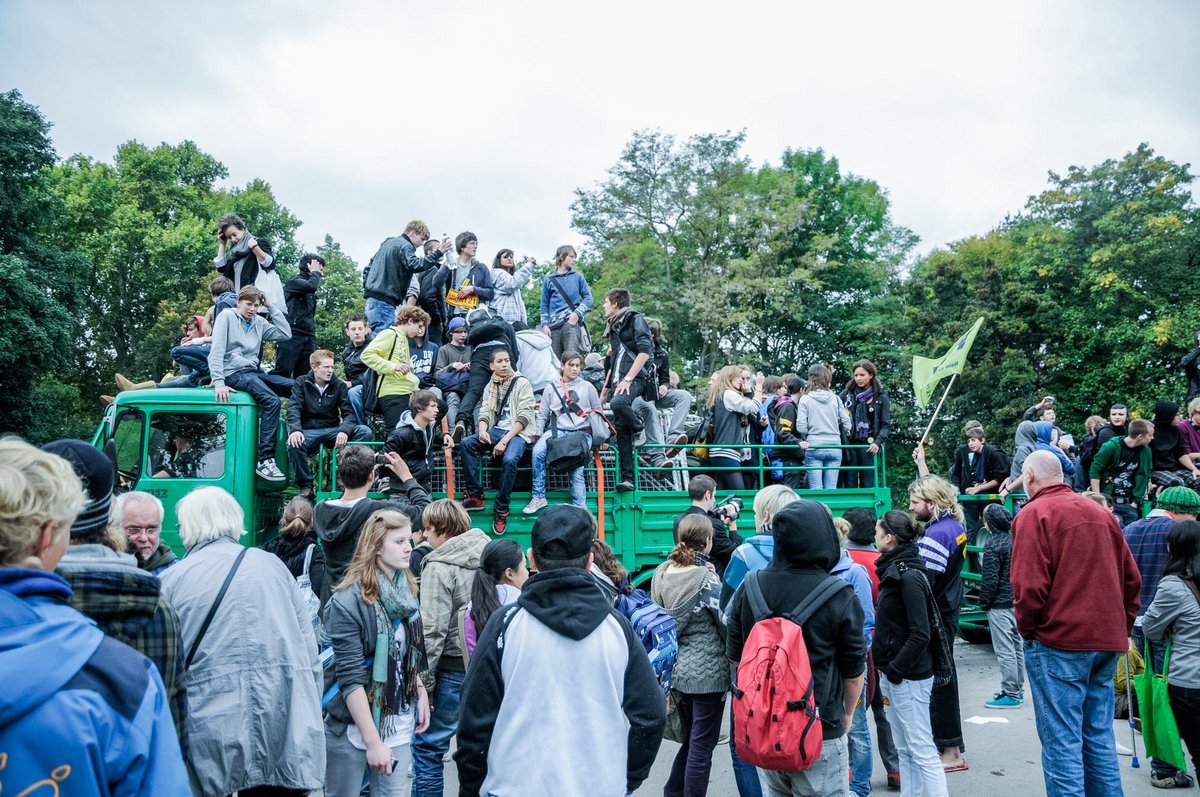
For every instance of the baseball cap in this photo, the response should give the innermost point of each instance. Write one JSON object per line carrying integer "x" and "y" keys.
{"x": 563, "y": 532}
{"x": 458, "y": 322}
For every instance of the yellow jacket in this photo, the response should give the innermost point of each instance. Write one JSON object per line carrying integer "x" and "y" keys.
{"x": 376, "y": 357}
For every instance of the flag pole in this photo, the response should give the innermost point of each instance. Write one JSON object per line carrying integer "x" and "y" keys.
{"x": 939, "y": 409}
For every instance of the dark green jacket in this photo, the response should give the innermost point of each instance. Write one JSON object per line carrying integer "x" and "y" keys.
{"x": 1109, "y": 456}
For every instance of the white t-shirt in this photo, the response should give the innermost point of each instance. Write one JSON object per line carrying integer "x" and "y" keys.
{"x": 402, "y": 725}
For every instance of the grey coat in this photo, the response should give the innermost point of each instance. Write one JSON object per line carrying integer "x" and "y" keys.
{"x": 254, "y": 687}
{"x": 1175, "y": 614}
{"x": 692, "y": 597}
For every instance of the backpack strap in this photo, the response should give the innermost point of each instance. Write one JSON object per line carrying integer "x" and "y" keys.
{"x": 187, "y": 662}
{"x": 816, "y": 599}
{"x": 308, "y": 558}
{"x": 754, "y": 594}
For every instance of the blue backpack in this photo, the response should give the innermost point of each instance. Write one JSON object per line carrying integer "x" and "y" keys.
{"x": 656, "y": 629}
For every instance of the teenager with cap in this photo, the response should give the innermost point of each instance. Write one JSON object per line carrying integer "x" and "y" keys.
{"x": 452, "y": 369}
{"x": 75, "y": 702}
{"x": 553, "y": 675}
{"x": 1147, "y": 540}
{"x": 996, "y": 598}
{"x": 106, "y": 583}
{"x": 806, "y": 551}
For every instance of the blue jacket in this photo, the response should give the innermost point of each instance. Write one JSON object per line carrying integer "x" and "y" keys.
{"x": 77, "y": 708}
{"x": 1045, "y": 433}
{"x": 856, "y": 576}
{"x": 554, "y": 309}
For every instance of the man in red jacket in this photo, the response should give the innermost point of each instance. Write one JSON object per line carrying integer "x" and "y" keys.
{"x": 1076, "y": 589}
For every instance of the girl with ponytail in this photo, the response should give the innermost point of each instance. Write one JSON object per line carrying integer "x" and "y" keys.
{"x": 498, "y": 582}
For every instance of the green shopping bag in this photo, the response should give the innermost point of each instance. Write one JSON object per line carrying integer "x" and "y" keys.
{"x": 1159, "y": 731}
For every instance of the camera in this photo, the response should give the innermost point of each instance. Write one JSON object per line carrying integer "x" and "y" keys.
{"x": 381, "y": 459}
{"x": 721, "y": 510}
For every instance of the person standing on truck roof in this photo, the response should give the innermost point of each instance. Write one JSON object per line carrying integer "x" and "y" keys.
{"x": 943, "y": 545}
{"x": 387, "y": 276}
{"x": 234, "y": 364}
{"x": 566, "y": 297}
{"x": 467, "y": 282}
{"x": 246, "y": 255}
{"x": 630, "y": 346}
{"x": 75, "y": 702}
{"x": 319, "y": 413}
{"x": 300, "y": 293}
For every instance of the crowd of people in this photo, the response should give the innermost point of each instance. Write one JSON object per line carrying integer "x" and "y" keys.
{"x": 372, "y": 634}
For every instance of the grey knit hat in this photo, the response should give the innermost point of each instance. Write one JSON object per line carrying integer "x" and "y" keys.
{"x": 98, "y": 475}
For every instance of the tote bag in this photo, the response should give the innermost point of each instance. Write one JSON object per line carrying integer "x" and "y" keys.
{"x": 1160, "y": 734}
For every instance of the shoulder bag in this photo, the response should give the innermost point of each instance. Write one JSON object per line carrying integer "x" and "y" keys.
{"x": 370, "y": 394}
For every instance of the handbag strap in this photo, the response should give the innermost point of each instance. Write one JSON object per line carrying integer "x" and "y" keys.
{"x": 187, "y": 663}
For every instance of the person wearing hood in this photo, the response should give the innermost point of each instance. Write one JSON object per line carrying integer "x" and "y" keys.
{"x": 564, "y": 643}
{"x": 821, "y": 422}
{"x": 300, "y": 295}
{"x": 996, "y": 598}
{"x": 1171, "y": 464}
{"x": 902, "y": 650}
{"x": 413, "y": 438}
{"x": 686, "y": 586}
{"x": 465, "y": 283}
{"x": 1025, "y": 443}
{"x": 1044, "y": 440}
{"x": 338, "y": 521}
{"x": 106, "y": 583}
{"x": 141, "y": 515}
{"x": 806, "y": 552}
{"x": 76, "y": 703}
{"x": 447, "y": 575}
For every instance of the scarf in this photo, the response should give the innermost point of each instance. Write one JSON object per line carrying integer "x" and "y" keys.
{"x": 398, "y": 662}
{"x": 614, "y": 321}
{"x": 500, "y": 390}
{"x": 862, "y": 423}
{"x": 237, "y": 255}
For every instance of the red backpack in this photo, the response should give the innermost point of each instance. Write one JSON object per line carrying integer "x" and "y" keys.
{"x": 776, "y": 715}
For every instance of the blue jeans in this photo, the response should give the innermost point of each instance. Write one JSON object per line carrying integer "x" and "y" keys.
{"x": 921, "y": 770}
{"x": 265, "y": 389}
{"x": 314, "y": 439}
{"x": 430, "y": 747}
{"x": 193, "y": 363}
{"x": 744, "y": 775}
{"x": 830, "y": 459}
{"x": 859, "y": 740}
{"x": 1073, "y": 705}
{"x": 578, "y": 485}
{"x": 472, "y": 448}
{"x": 380, "y": 315}
{"x": 356, "y": 401}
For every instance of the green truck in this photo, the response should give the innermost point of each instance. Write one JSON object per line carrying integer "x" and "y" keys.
{"x": 169, "y": 441}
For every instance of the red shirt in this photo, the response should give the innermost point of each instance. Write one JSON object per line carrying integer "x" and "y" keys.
{"x": 1075, "y": 583}
{"x": 867, "y": 559}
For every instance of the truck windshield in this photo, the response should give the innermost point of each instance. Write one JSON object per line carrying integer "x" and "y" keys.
{"x": 187, "y": 445}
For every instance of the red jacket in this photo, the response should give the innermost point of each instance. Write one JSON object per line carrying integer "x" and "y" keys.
{"x": 1075, "y": 584}
{"x": 867, "y": 560}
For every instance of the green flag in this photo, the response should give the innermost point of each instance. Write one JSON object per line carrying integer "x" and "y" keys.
{"x": 927, "y": 373}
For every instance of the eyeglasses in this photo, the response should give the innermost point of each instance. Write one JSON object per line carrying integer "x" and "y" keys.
{"x": 137, "y": 531}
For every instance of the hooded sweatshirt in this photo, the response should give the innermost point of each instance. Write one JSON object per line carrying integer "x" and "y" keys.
{"x": 821, "y": 418}
{"x": 806, "y": 551}
{"x": 691, "y": 595}
{"x": 293, "y": 550}
{"x": 1026, "y": 444}
{"x": 127, "y": 604}
{"x": 300, "y": 294}
{"x": 237, "y": 342}
{"x": 338, "y": 524}
{"x": 1044, "y": 435}
{"x": 75, "y": 698}
{"x": 447, "y": 575}
{"x": 1167, "y": 446}
{"x": 565, "y": 643}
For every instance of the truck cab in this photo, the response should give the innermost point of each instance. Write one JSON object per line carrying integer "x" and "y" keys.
{"x": 169, "y": 442}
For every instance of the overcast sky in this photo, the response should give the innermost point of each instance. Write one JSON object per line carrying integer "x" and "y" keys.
{"x": 488, "y": 115}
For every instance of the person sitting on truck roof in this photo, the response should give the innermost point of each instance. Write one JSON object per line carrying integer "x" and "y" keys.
{"x": 319, "y": 413}
{"x": 234, "y": 363}
{"x": 359, "y": 335}
{"x": 338, "y": 521}
{"x": 413, "y": 437}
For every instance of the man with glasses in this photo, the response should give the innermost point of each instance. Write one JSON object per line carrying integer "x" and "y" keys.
{"x": 141, "y": 517}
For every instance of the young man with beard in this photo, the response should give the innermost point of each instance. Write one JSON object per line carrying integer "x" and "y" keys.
{"x": 931, "y": 500}
{"x": 630, "y": 347}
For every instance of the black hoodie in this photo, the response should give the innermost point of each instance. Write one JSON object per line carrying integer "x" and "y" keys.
{"x": 338, "y": 525}
{"x": 300, "y": 294}
{"x": 806, "y": 550}
{"x": 903, "y": 633}
{"x": 292, "y": 551}
{"x": 1167, "y": 445}
{"x": 530, "y": 733}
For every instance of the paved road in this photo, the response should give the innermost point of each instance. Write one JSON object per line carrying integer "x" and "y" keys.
{"x": 1005, "y": 758}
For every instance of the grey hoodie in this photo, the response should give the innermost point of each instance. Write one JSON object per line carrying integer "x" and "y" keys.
{"x": 819, "y": 416}
{"x": 236, "y": 343}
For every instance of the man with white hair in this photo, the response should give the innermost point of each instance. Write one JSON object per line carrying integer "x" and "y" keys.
{"x": 141, "y": 516}
{"x": 248, "y": 641}
{"x": 1076, "y": 594}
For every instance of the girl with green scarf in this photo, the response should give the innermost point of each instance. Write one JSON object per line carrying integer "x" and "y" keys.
{"x": 374, "y": 620}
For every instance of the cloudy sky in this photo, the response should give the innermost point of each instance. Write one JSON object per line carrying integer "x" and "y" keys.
{"x": 488, "y": 115}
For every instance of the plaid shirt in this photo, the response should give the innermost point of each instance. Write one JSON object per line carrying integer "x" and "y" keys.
{"x": 127, "y": 605}
{"x": 1147, "y": 539}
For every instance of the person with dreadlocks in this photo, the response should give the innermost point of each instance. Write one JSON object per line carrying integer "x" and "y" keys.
{"x": 379, "y": 655}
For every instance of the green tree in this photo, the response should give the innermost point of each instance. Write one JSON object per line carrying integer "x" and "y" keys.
{"x": 339, "y": 298}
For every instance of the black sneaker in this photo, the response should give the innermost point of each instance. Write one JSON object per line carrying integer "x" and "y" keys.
{"x": 624, "y": 486}
{"x": 1176, "y": 780}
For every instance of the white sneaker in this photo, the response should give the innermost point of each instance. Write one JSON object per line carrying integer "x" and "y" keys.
{"x": 267, "y": 469}
{"x": 1123, "y": 750}
{"x": 534, "y": 505}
